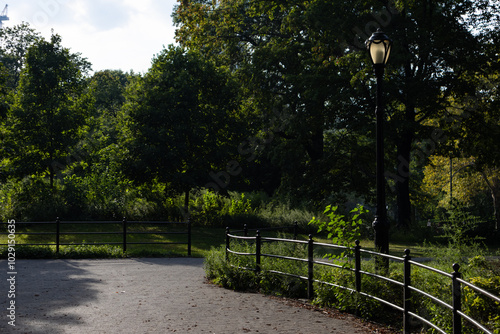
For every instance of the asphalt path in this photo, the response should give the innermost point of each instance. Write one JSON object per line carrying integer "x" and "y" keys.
{"x": 161, "y": 295}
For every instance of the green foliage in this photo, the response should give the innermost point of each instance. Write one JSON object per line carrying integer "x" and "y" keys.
{"x": 180, "y": 121}
{"x": 48, "y": 110}
{"x": 281, "y": 285}
{"x": 457, "y": 230}
{"x": 16, "y": 41}
{"x": 213, "y": 209}
{"x": 31, "y": 199}
{"x": 229, "y": 274}
{"x": 90, "y": 252}
{"x": 207, "y": 208}
{"x": 104, "y": 193}
{"x": 65, "y": 252}
{"x": 340, "y": 230}
{"x": 349, "y": 301}
{"x": 459, "y": 233}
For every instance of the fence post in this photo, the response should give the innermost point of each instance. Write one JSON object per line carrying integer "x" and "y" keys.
{"x": 457, "y": 300}
{"x": 257, "y": 251}
{"x": 124, "y": 225}
{"x": 406, "y": 292}
{"x": 357, "y": 266}
{"x": 245, "y": 230}
{"x": 310, "y": 267}
{"x": 58, "y": 230}
{"x": 227, "y": 244}
{"x": 295, "y": 230}
{"x": 189, "y": 236}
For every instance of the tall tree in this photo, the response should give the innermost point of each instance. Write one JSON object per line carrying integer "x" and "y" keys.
{"x": 15, "y": 44}
{"x": 47, "y": 113}
{"x": 289, "y": 60}
{"x": 307, "y": 60}
{"x": 181, "y": 119}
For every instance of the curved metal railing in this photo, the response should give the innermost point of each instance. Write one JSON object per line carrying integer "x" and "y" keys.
{"x": 407, "y": 288}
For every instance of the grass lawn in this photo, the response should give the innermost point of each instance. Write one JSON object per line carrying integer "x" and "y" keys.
{"x": 203, "y": 238}
{"x": 111, "y": 233}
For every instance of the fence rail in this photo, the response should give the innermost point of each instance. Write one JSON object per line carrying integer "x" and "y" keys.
{"x": 407, "y": 288}
{"x": 125, "y": 231}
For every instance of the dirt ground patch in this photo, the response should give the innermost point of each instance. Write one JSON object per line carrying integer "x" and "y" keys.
{"x": 167, "y": 295}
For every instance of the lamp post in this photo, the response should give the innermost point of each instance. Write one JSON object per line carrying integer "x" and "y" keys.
{"x": 379, "y": 46}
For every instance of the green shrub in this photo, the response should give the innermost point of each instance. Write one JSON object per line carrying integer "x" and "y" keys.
{"x": 230, "y": 274}
{"x": 282, "y": 285}
{"x": 65, "y": 252}
{"x": 341, "y": 231}
{"x": 90, "y": 252}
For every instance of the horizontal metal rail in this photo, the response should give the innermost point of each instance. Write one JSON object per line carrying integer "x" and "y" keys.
{"x": 284, "y": 257}
{"x": 484, "y": 292}
{"x": 387, "y": 279}
{"x": 435, "y": 299}
{"x": 440, "y": 272}
{"x": 427, "y": 322}
{"x": 124, "y": 232}
{"x": 455, "y": 278}
{"x": 287, "y": 274}
{"x": 383, "y": 301}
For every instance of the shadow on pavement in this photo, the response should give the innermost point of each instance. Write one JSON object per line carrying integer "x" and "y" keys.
{"x": 54, "y": 295}
{"x": 45, "y": 293}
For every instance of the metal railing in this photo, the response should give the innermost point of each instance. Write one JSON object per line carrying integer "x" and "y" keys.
{"x": 125, "y": 230}
{"x": 406, "y": 286}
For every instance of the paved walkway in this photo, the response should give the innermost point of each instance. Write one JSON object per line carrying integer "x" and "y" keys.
{"x": 147, "y": 296}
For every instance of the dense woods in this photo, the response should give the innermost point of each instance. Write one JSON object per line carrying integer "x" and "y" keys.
{"x": 270, "y": 98}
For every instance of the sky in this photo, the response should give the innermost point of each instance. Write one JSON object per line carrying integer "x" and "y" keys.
{"x": 111, "y": 34}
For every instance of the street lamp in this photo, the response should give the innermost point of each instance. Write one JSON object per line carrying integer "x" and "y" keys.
{"x": 379, "y": 46}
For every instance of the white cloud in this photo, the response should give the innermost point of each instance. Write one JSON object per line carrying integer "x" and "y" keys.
{"x": 111, "y": 34}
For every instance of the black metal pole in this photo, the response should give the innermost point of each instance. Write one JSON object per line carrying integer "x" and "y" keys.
{"x": 457, "y": 300}
{"x": 124, "y": 226}
{"x": 357, "y": 266}
{"x": 227, "y": 244}
{"x": 257, "y": 251}
{"x": 380, "y": 224}
{"x": 407, "y": 305}
{"x": 58, "y": 233}
{"x": 310, "y": 268}
{"x": 189, "y": 236}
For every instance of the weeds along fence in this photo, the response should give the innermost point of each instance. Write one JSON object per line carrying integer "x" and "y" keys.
{"x": 123, "y": 229}
{"x": 408, "y": 290}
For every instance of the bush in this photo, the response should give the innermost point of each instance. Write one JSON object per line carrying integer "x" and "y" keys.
{"x": 230, "y": 274}
{"x": 65, "y": 252}
{"x": 31, "y": 199}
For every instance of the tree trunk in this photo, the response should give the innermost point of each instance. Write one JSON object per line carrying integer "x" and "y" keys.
{"x": 494, "y": 187}
{"x": 315, "y": 146}
{"x": 403, "y": 179}
{"x": 495, "y": 209}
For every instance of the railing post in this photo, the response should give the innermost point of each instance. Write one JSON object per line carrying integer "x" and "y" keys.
{"x": 310, "y": 267}
{"x": 406, "y": 292}
{"x": 58, "y": 230}
{"x": 124, "y": 225}
{"x": 457, "y": 300}
{"x": 245, "y": 230}
{"x": 357, "y": 266}
{"x": 189, "y": 236}
{"x": 295, "y": 230}
{"x": 257, "y": 251}
{"x": 227, "y": 244}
